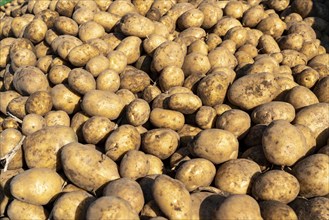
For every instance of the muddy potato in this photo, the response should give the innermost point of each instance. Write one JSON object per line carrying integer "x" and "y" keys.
{"x": 190, "y": 18}
{"x": 63, "y": 98}
{"x": 86, "y": 167}
{"x": 253, "y": 16}
{"x": 185, "y": 103}
{"x": 238, "y": 207}
{"x": 237, "y": 176}
{"x": 106, "y": 20}
{"x": 10, "y": 138}
{"x": 171, "y": 76}
{"x": 108, "y": 80}
{"x": 66, "y": 25}
{"x": 58, "y": 74}
{"x": 134, "y": 79}
{"x": 274, "y": 210}
{"x": 311, "y": 209}
{"x": 267, "y": 44}
{"x": 49, "y": 139}
{"x": 83, "y": 15}
{"x": 18, "y": 26}
{"x": 196, "y": 63}
{"x": 310, "y": 49}
{"x": 161, "y": 142}
{"x": 225, "y": 24}
{"x": 152, "y": 42}
{"x": 103, "y": 208}
{"x": 263, "y": 64}
{"x": 97, "y": 64}
{"x": 196, "y": 173}
{"x": 80, "y": 55}
{"x": 321, "y": 88}
{"x": 156, "y": 164}
{"x": 81, "y": 81}
{"x": 174, "y": 200}
{"x": 222, "y": 57}
{"x": 134, "y": 165}
{"x": 59, "y": 117}
{"x": 205, "y": 117}
{"x": 234, "y": 120}
{"x": 5, "y": 98}
{"x": 312, "y": 174}
{"x": 253, "y": 90}
{"x": 117, "y": 61}
{"x": 300, "y": 97}
{"x": 212, "y": 41}
{"x": 272, "y": 25}
{"x": 275, "y": 110}
{"x": 127, "y": 189}
{"x": 26, "y": 186}
{"x": 211, "y": 143}
{"x": 316, "y": 118}
{"x": 234, "y": 9}
{"x": 138, "y": 112}
{"x": 22, "y": 58}
{"x": 307, "y": 78}
{"x": 90, "y": 30}
{"x": 131, "y": 48}
{"x": 102, "y": 103}
{"x": 22, "y": 210}
{"x": 163, "y": 118}
{"x": 133, "y": 24}
{"x": 101, "y": 45}
{"x": 35, "y": 31}
{"x": 39, "y": 102}
{"x": 96, "y": 129}
{"x": 126, "y": 95}
{"x": 17, "y": 106}
{"x": 32, "y": 123}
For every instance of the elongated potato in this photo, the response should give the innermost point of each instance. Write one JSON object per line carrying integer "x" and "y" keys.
{"x": 133, "y": 24}
{"x": 163, "y": 118}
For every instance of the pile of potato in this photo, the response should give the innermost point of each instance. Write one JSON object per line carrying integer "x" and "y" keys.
{"x": 164, "y": 109}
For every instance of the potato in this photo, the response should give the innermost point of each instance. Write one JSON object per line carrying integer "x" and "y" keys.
{"x": 63, "y": 98}
{"x": 196, "y": 63}
{"x": 278, "y": 5}
{"x": 97, "y": 170}
{"x": 161, "y": 142}
{"x": 72, "y": 205}
{"x": 291, "y": 142}
{"x": 134, "y": 79}
{"x": 174, "y": 200}
{"x": 58, "y": 74}
{"x": 103, "y": 208}
{"x": 170, "y": 77}
{"x": 234, "y": 120}
{"x": 83, "y": 15}
{"x": 205, "y": 117}
{"x": 185, "y": 103}
{"x": 96, "y": 129}
{"x": 234, "y": 9}
{"x": 267, "y": 44}
{"x": 59, "y": 117}
{"x": 294, "y": 97}
{"x": 106, "y": 19}
{"x": 274, "y": 210}
{"x": 134, "y": 165}
{"x": 215, "y": 145}
{"x": 126, "y": 96}
{"x": 66, "y": 25}
{"x": 312, "y": 208}
{"x": 121, "y": 140}
{"x": 276, "y": 185}
{"x": 263, "y": 64}
{"x": 121, "y": 8}
{"x": 18, "y": 26}
{"x": 108, "y": 80}
{"x": 81, "y": 81}
{"x": 275, "y": 110}
{"x": 133, "y": 24}
{"x": 152, "y": 42}
{"x": 138, "y": 112}
{"x": 65, "y": 45}
{"x": 39, "y": 102}
{"x": 131, "y": 47}
{"x": 305, "y": 30}
{"x": 253, "y": 90}
{"x": 26, "y": 186}
{"x": 222, "y": 57}
{"x": 90, "y": 30}
{"x": 32, "y": 123}
{"x": 17, "y": 106}
{"x": 316, "y": 118}
{"x": 156, "y": 164}
{"x": 196, "y": 173}
{"x": 22, "y": 210}
{"x": 127, "y": 189}
{"x": 238, "y": 207}
{"x": 22, "y": 58}
{"x": 310, "y": 49}
{"x": 312, "y": 174}
{"x": 151, "y": 210}
{"x": 253, "y": 16}
{"x": 50, "y": 139}
{"x": 80, "y": 55}
{"x": 225, "y": 24}
{"x": 102, "y": 103}
{"x": 272, "y": 25}
{"x": 320, "y": 90}
{"x": 10, "y": 138}
{"x": 190, "y": 18}
{"x": 163, "y": 118}
{"x": 142, "y": 6}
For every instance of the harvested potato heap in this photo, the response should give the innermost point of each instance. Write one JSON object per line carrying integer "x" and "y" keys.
{"x": 164, "y": 109}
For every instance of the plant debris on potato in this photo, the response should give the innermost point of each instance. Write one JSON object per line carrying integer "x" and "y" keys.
{"x": 164, "y": 109}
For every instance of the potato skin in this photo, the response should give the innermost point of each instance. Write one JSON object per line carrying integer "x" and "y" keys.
{"x": 134, "y": 165}
{"x": 26, "y": 186}
{"x": 185, "y": 103}
{"x": 215, "y": 145}
{"x": 163, "y": 118}
{"x": 136, "y": 25}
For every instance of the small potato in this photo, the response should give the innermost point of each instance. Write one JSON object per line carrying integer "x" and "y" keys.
{"x": 81, "y": 81}
{"x": 152, "y": 42}
{"x": 174, "y": 200}
{"x": 237, "y": 176}
{"x": 253, "y": 16}
{"x": 90, "y": 30}
{"x": 225, "y": 24}
{"x": 186, "y": 134}
{"x": 106, "y": 20}
{"x": 234, "y": 120}
{"x": 263, "y": 64}
{"x": 66, "y": 25}
{"x": 311, "y": 209}
{"x": 58, "y": 74}
{"x": 156, "y": 164}
{"x": 274, "y": 210}
{"x": 268, "y": 112}
{"x": 215, "y": 145}
{"x": 291, "y": 42}
{"x": 97, "y": 64}
{"x": 212, "y": 41}
{"x": 108, "y": 80}
{"x": 196, "y": 63}
{"x": 102, "y": 103}
{"x": 238, "y": 207}
{"x": 121, "y": 8}
{"x": 250, "y": 49}
{"x": 26, "y": 186}
{"x": 103, "y": 208}
{"x": 142, "y": 6}
{"x": 133, "y": 24}
{"x": 190, "y": 18}
{"x": 250, "y": 91}
{"x": 310, "y": 49}
{"x": 205, "y": 117}
{"x": 39, "y": 103}
{"x": 17, "y": 106}
{"x": 198, "y": 46}
{"x": 35, "y": 31}
{"x": 272, "y": 25}
{"x": 50, "y": 139}
{"x": 211, "y": 14}
{"x": 321, "y": 90}
{"x": 32, "y": 123}
{"x": 307, "y": 78}
{"x": 222, "y": 57}
{"x": 170, "y": 77}
{"x": 127, "y": 189}
{"x": 117, "y": 61}
{"x": 312, "y": 174}
{"x": 22, "y": 58}
{"x": 196, "y": 173}
{"x": 83, "y": 15}
{"x": 163, "y": 118}
{"x": 72, "y": 205}
{"x": 134, "y": 79}
{"x": 267, "y": 44}
{"x": 300, "y": 97}
{"x": 221, "y": 108}
{"x": 134, "y": 165}
{"x": 168, "y": 54}
{"x": 304, "y": 29}
{"x": 161, "y": 142}
{"x": 238, "y": 35}
{"x": 185, "y": 103}
{"x": 126, "y": 96}
{"x": 138, "y": 112}
{"x": 234, "y": 9}
{"x": 86, "y": 167}
{"x": 96, "y": 129}
{"x": 131, "y": 48}
{"x": 22, "y": 210}
{"x": 59, "y": 117}
{"x": 280, "y": 139}
{"x": 121, "y": 140}
{"x": 63, "y": 98}
{"x": 276, "y": 185}
{"x": 80, "y": 55}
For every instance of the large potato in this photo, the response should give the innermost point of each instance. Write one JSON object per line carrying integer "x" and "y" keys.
{"x": 37, "y": 186}
{"x": 86, "y": 167}
{"x": 215, "y": 145}
{"x": 41, "y": 148}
